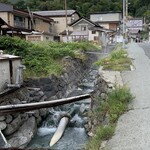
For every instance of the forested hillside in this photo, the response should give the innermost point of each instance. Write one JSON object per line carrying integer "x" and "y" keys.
{"x": 137, "y": 8}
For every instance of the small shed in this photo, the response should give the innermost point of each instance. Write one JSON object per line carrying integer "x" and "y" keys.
{"x": 10, "y": 71}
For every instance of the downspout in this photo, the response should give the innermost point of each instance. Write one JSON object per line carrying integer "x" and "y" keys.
{"x": 3, "y": 141}
{"x": 18, "y": 77}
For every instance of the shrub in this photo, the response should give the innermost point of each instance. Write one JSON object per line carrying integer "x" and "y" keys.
{"x": 115, "y": 105}
{"x": 14, "y": 45}
{"x": 102, "y": 133}
{"x": 43, "y": 58}
{"x": 117, "y": 61}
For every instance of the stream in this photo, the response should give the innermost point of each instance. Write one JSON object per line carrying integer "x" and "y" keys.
{"x": 75, "y": 136}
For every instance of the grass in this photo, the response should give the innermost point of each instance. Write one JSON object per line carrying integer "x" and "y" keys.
{"x": 114, "y": 106}
{"x": 44, "y": 58}
{"x": 117, "y": 61}
{"x": 102, "y": 133}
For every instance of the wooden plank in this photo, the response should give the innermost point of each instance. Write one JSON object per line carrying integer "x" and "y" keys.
{"x": 38, "y": 105}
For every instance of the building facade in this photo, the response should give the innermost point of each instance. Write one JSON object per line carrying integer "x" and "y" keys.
{"x": 61, "y": 18}
{"x": 108, "y": 20}
{"x": 21, "y": 23}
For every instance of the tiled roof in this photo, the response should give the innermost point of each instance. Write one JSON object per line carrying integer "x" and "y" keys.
{"x": 17, "y": 11}
{"x": 55, "y": 13}
{"x": 5, "y": 7}
{"x": 95, "y": 24}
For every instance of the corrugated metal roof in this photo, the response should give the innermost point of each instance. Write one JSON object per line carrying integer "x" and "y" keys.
{"x": 5, "y": 7}
{"x": 7, "y": 56}
{"x": 54, "y": 12}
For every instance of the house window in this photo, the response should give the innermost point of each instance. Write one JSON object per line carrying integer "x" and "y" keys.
{"x": 93, "y": 32}
{"x": 47, "y": 38}
{"x": 50, "y": 28}
{"x": 83, "y": 28}
{"x": 19, "y": 21}
{"x": 37, "y": 22}
{"x": 95, "y": 38}
{"x": 56, "y": 22}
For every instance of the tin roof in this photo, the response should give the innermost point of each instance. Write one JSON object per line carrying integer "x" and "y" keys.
{"x": 7, "y": 56}
{"x": 106, "y": 12}
{"x": 54, "y": 13}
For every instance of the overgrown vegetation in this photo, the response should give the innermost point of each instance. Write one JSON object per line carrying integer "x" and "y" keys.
{"x": 115, "y": 105}
{"x": 44, "y": 58}
{"x": 117, "y": 61}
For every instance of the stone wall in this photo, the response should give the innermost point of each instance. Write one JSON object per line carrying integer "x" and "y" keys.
{"x": 58, "y": 87}
{"x": 11, "y": 123}
{"x": 21, "y": 127}
{"x": 106, "y": 81}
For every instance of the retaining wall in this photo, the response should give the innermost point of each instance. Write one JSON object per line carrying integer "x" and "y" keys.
{"x": 36, "y": 90}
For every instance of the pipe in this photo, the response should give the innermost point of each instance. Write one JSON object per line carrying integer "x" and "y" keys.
{"x": 18, "y": 78}
{"x": 4, "y": 141}
{"x": 38, "y": 105}
{"x": 13, "y": 85}
{"x": 60, "y": 130}
{"x": 124, "y": 23}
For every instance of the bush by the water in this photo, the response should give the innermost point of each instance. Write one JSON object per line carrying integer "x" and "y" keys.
{"x": 118, "y": 60}
{"x": 112, "y": 108}
{"x": 43, "y": 58}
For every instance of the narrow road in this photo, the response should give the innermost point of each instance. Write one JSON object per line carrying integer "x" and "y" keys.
{"x": 133, "y": 127}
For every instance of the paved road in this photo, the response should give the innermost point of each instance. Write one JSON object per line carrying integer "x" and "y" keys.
{"x": 133, "y": 128}
{"x": 146, "y": 47}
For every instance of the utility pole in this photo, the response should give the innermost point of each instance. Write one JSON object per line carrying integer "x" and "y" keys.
{"x": 66, "y": 19}
{"x": 126, "y": 19}
{"x": 126, "y": 9}
{"x": 124, "y": 23}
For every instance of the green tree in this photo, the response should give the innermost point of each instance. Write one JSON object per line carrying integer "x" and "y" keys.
{"x": 137, "y": 8}
{"x": 21, "y": 4}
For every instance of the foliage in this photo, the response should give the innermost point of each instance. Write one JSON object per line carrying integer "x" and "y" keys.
{"x": 43, "y": 58}
{"x": 137, "y": 8}
{"x": 14, "y": 45}
{"x": 117, "y": 61}
{"x": 118, "y": 101}
{"x": 115, "y": 105}
{"x": 102, "y": 133}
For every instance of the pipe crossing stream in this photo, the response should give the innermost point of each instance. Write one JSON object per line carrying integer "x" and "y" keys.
{"x": 75, "y": 117}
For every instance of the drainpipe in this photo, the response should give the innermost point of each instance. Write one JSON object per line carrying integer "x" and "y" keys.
{"x": 3, "y": 141}
{"x": 18, "y": 77}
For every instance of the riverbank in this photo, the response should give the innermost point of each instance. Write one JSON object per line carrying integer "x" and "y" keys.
{"x": 41, "y": 89}
{"x": 112, "y": 103}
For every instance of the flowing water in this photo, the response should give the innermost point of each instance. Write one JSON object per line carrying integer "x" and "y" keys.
{"x": 74, "y": 137}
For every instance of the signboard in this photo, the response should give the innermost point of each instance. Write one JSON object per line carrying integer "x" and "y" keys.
{"x": 119, "y": 38}
{"x": 134, "y": 23}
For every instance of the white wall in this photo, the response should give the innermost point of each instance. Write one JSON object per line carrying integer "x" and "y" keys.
{"x": 4, "y": 74}
{"x": 105, "y": 17}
